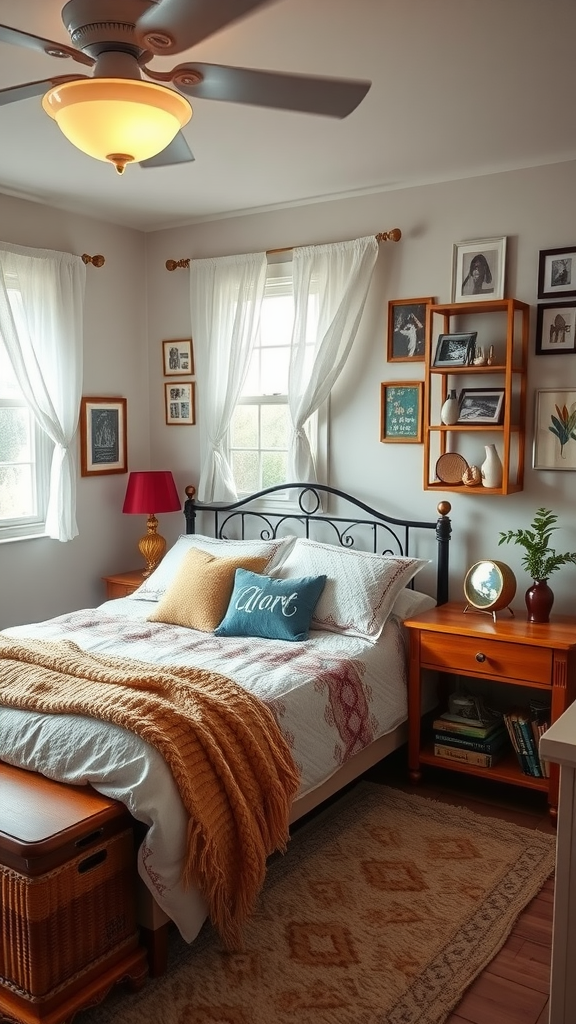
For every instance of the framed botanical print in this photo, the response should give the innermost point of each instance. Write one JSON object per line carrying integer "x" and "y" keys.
{"x": 555, "y": 429}
{"x": 103, "y": 436}
{"x": 401, "y": 411}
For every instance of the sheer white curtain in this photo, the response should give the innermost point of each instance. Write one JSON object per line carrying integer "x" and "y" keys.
{"x": 225, "y": 302}
{"x": 41, "y": 318}
{"x": 330, "y": 287}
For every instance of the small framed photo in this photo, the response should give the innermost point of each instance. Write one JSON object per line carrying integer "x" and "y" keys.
{"x": 556, "y": 329}
{"x": 478, "y": 270}
{"x": 455, "y": 349}
{"x": 401, "y": 411}
{"x": 103, "y": 434}
{"x": 554, "y": 429}
{"x": 178, "y": 358}
{"x": 407, "y": 329}
{"x": 557, "y": 272}
{"x": 180, "y": 400}
{"x": 481, "y": 405}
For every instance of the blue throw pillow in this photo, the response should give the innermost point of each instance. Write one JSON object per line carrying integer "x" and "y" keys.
{"x": 271, "y": 608}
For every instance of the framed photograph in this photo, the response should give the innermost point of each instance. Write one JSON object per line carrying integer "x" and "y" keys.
{"x": 478, "y": 270}
{"x": 178, "y": 358}
{"x": 407, "y": 329}
{"x": 557, "y": 272}
{"x": 180, "y": 400}
{"x": 556, "y": 329}
{"x": 103, "y": 434}
{"x": 555, "y": 429}
{"x": 401, "y": 411}
{"x": 481, "y": 405}
{"x": 455, "y": 349}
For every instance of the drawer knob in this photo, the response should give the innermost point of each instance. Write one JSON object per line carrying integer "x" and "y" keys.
{"x": 480, "y": 656}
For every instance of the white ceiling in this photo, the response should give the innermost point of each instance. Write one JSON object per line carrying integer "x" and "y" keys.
{"x": 460, "y": 88}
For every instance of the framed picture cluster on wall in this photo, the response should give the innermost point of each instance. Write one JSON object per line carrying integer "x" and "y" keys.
{"x": 556, "y": 321}
{"x": 179, "y": 395}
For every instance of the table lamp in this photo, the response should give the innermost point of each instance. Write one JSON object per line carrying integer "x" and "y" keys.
{"x": 146, "y": 494}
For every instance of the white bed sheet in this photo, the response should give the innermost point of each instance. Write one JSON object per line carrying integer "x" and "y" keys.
{"x": 331, "y": 696}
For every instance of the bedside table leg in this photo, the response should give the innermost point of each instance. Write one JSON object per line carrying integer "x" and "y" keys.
{"x": 414, "y": 708}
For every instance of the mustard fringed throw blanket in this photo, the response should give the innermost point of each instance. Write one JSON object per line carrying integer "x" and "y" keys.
{"x": 232, "y": 766}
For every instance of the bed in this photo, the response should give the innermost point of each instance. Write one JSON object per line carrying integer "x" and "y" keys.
{"x": 337, "y": 692}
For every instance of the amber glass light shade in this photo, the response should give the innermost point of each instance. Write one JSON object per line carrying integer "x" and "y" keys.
{"x": 147, "y": 493}
{"x": 117, "y": 119}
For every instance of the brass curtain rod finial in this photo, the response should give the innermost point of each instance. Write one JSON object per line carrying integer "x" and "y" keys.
{"x": 96, "y": 261}
{"x": 389, "y": 236}
{"x": 175, "y": 264}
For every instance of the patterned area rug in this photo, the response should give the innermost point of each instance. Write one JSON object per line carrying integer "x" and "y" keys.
{"x": 384, "y": 910}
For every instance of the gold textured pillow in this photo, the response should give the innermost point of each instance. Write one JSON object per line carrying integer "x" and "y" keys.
{"x": 201, "y": 589}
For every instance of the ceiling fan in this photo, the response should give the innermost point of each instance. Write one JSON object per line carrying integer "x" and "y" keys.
{"x": 115, "y": 115}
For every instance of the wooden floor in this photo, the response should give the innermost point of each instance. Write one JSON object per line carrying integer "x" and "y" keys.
{"x": 514, "y": 988}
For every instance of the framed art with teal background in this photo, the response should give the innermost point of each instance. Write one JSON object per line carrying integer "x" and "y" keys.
{"x": 401, "y": 411}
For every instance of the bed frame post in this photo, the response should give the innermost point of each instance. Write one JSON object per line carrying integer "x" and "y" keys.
{"x": 190, "y": 509}
{"x": 443, "y": 531}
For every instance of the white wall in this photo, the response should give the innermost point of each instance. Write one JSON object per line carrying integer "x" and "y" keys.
{"x": 133, "y": 303}
{"x": 42, "y": 577}
{"x": 531, "y": 207}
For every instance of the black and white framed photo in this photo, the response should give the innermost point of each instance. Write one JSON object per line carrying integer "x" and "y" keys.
{"x": 557, "y": 272}
{"x": 103, "y": 436}
{"x": 180, "y": 400}
{"x": 455, "y": 349}
{"x": 556, "y": 329}
{"x": 481, "y": 405}
{"x": 178, "y": 358}
{"x": 478, "y": 269}
{"x": 407, "y": 329}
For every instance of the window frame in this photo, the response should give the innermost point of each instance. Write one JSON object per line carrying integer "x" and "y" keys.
{"x": 317, "y": 425}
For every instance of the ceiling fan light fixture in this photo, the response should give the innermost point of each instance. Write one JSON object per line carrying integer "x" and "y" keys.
{"x": 117, "y": 120}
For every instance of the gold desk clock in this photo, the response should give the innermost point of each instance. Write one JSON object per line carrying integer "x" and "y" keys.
{"x": 489, "y": 586}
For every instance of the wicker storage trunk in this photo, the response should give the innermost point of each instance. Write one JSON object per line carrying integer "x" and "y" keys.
{"x": 67, "y": 877}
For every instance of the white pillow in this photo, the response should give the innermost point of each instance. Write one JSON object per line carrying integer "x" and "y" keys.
{"x": 154, "y": 588}
{"x": 411, "y": 602}
{"x": 361, "y": 587}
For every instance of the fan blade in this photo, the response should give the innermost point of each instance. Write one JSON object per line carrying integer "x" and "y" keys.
{"x": 176, "y": 152}
{"x": 333, "y": 97}
{"x": 29, "y": 89}
{"x": 171, "y": 26}
{"x": 48, "y": 46}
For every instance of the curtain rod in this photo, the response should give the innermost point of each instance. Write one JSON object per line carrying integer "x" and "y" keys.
{"x": 96, "y": 261}
{"x": 394, "y": 235}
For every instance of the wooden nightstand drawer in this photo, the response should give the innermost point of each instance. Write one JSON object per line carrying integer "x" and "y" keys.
{"x": 123, "y": 583}
{"x": 484, "y": 657}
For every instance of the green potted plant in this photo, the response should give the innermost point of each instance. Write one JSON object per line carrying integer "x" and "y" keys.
{"x": 540, "y": 561}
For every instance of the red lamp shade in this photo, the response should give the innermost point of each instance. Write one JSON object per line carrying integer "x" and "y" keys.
{"x": 146, "y": 494}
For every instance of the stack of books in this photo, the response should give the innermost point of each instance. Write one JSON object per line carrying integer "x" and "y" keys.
{"x": 466, "y": 740}
{"x": 525, "y": 727}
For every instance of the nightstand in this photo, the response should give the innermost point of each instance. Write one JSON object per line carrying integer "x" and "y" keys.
{"x": 123, "y": 583}
{"x": 510, "y": 651}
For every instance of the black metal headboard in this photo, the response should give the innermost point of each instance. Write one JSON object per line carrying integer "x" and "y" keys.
{"x": 381, "y": 533}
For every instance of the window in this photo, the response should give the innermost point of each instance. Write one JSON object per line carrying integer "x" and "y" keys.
{"x": 24, "y": 460}
{"x": 260, "y": 428}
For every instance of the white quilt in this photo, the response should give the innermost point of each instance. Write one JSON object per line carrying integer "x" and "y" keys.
{"x": 331, "y": 695}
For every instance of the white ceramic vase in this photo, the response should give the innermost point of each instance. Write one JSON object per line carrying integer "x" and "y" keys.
{"x": 450, "y": 409}
{"x": 491, "y": 467}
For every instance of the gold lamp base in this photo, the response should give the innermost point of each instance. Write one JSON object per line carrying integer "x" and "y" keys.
{"x": 152, "y": 547}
